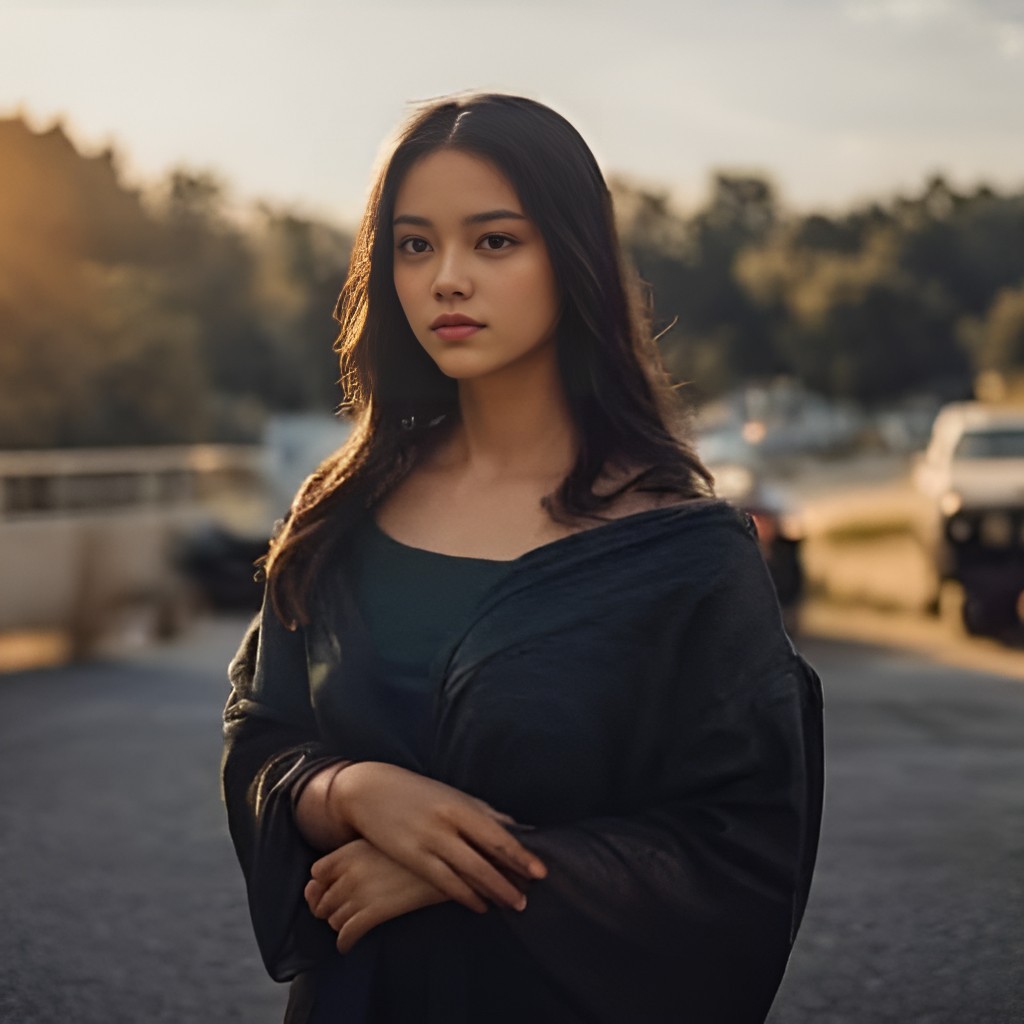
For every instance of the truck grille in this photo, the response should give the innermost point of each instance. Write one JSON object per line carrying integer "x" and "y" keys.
{"x": 987, "y": 529}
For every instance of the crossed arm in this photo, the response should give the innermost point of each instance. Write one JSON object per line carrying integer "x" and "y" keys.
{"x": 723, "y": 867}
{"x": 396, "y": 841}
{"x": 392, "y": 841}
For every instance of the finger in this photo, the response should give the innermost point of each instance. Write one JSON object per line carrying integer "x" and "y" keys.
{"x": 508, "y": 851}
{"x": 341, "y": 915}
{"x": 426, "y": 864}
{"x": 492, "y": 812}
{"x": 327, "y": 868}
{"x": 326, "y": 906}
{"x": 442, "y": 877}
{"x": 354, "y": 929}
{"x": 507, "y": 820}
{"x": 336, "y": 897}
{"x": 483, "y": 876}
{"x": 313, "y": 893}
{"x": 501, "y": 846}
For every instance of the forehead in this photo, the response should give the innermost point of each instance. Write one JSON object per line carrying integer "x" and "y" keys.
{"x": 450, "y": 182}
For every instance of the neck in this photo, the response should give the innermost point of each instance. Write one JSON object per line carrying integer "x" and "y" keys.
{"x": 516, "y": 423}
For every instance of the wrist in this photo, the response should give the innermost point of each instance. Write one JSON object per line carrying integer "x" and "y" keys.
{"x": 336, "y": 789}
{"x": 342, "y": 792}
{"x": 320, "y": 813}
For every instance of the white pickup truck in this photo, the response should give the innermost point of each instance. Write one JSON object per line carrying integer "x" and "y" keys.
{"x": 972, "y": 479}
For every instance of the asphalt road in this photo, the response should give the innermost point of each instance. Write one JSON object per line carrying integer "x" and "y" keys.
{"x": 917, "y": 910}
{"x": 120, "y": 899}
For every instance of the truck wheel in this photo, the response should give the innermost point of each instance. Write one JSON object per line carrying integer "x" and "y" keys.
{"x": 990, "y": 615}
{"x": 976, "y": 616}
{"x": 994, "y": 615}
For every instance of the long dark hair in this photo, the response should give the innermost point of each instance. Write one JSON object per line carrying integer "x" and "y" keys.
{"x": 617, "y": 392}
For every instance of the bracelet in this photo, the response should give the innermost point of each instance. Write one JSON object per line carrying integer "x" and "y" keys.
{"x": 307, "y": 772}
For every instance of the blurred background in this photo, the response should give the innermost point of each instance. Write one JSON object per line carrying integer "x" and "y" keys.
{"x": 827, "y": 201}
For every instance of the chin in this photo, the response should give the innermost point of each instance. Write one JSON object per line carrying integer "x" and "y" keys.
{"x": 464, "y": 366}
{"x": 472, "y": 362}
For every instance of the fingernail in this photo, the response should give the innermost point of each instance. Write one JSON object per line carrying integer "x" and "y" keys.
{"x": 537, "y": 870}
{"x": 520, "y": 903}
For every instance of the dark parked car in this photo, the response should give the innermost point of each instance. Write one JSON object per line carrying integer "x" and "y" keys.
{"x": 221, "y": 567}
{"x": 779, "y": 532}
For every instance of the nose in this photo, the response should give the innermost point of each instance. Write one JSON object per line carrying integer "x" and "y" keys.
{"x": 452, "y": 279}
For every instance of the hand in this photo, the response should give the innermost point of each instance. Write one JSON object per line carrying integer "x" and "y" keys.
{"x": 357, "y": 887}
{"x": 458, "y": 844}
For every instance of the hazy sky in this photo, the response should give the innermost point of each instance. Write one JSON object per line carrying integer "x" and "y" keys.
{"x": 835, "y": 99}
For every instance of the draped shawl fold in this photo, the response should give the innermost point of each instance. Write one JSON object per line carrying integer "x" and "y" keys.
{"x": 627, "y": 693}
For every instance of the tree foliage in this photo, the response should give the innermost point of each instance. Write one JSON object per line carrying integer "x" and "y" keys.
{"x": 177, "y": 317}
{"x": 996, "y": 340}
{"x": 887, "y": 299}
{"x": 160, "y": 319}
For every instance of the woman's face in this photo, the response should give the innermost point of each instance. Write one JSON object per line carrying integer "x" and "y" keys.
{"x": 471, "y": 270}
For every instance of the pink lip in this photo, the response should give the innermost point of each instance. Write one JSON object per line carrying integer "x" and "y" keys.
{"x": 454, "y": 320}
{"x": 457, "y": 332}
{"x": 455, "y": 326}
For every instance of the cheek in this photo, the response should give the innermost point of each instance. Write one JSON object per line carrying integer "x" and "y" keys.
{"x": 404, "y": 291}
{"x": 544, "y": 297}
{"x": 396, "y": 280}
{"x": 533, "y": 287}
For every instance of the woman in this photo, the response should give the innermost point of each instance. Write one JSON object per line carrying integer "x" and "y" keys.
{"x": 518, "y": 734}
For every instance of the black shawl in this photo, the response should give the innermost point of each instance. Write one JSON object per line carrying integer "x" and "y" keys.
{"x": 630, "y": 694}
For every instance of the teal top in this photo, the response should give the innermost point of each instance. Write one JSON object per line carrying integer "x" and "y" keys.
{"x": 414, "y": 604}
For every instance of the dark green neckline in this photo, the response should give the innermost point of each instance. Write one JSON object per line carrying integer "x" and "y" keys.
{"x": 606, "y": 531}
{"x": 426, "y": 552}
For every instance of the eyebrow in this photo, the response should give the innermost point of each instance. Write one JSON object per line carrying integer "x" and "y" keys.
{"x": 473, "y": 218}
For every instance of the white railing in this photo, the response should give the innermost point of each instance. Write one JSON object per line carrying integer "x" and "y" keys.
{"x": 84, "y": 533}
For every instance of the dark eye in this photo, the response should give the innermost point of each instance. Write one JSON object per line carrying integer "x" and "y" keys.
{"x": 414, "y": 245}
{"x": 496, "y": 242}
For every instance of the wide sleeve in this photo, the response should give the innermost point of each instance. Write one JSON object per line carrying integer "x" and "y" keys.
{"x": 271, "y": 748}
{"x": 687, "y": 909}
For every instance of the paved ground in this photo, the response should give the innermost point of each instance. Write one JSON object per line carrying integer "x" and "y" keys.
{"x": 119, "y": 894}
{"x": 917, "y": 913}
{"x": 121, "y": 901}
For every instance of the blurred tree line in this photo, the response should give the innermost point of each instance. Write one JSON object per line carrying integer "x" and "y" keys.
{"x": 160, "y": 319}
{"x": 913, "y": 296}
{"x": 173, "y": 317}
